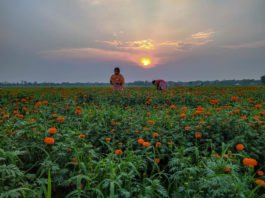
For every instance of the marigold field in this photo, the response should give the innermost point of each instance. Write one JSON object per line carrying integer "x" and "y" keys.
{"x": 93, "y": 142}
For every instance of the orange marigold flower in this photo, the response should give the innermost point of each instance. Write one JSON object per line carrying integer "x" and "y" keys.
{"x": 146, "y": 144}
{"x": 257, "y": 118}
{"x": 38, "y": 104}
{"x": 236, "y": 111}
{"x": 157, "y": 160}
{"x": 207, "y": 113}
{"x": 183, "y": 115}
{"x": 52, "y": 131}
{"x": 234, "y": 98}
{"x": 114, "y": 123}
{"x": 198, "y": 113}
{"x": 187, "y": 128}
{"x": 200, "y": 108}
{"x": 155, "y": 134}
{"x": 49, "y": 140}
{"x": 149, "y": 101}
{"x": 218, "y": 109}
{"x": 118, "y": 152}
{"x": 77, "y": 111}
{"x": 214, "y": 101}
{"x": 258, "y": 106}
{"x": 45, "y": 102}
{"x": 201, "y": 121}
{"x": 184, "y": 108}
{"x": 82, "y": 136}
{"x": 260, "y": 182}
{"x": 217, "y": 155}
{"x": 158, "y": 144}
{"x": 5, "y": 116}
{"x": 107, "y": 140}
{"x": 226, "y": 107}
{"x": 260, "y": 173}
{"x": 172, "y": 107}
{"x": 25, "y": 109}
{"x": 140, "y": 140}
{"x": 19, "y": 115}
{"x": 150, "y": 122}
{"x": 250, "y": 162}
{"x": 145, "y": 128}
{"x": 198, "y": 135}
{"x": 243, "y": 117}
{"x": 240, "y": 147}
{"x": 227, "y": 169}
{"x": 54, "y": 115}
{"x": 60, "y": 119}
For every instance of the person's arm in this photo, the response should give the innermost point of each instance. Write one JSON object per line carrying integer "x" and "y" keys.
{"x": 157, "y": 84}
{"x": 122, "y": 80}
{"x": 111, "y": 80}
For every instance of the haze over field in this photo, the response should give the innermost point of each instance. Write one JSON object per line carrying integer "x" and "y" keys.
{"x": 179, "y": 40}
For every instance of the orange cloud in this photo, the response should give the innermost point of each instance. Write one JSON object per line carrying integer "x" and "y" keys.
{"x": 203, "y": 35}
{"x": 134, "y": 51}
{"x": 131, "y": 45}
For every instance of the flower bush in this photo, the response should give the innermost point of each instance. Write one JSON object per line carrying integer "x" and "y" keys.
{"x": 93, "y": 142}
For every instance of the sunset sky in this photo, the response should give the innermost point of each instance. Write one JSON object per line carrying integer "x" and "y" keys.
{"x": 179, "y": 40}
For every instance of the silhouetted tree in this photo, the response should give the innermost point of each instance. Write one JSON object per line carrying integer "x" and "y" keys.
{"x": 262, "y": 79}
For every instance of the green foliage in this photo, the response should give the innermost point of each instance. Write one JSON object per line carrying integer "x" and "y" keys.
{"x": 82, "y": 161}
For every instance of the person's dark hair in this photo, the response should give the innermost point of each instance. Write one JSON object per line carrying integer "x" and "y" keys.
{"x": 117, "y": 69}
{"x": 153, "y": 82}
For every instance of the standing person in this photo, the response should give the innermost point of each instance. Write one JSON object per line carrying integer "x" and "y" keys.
{"x": 160, "y": 84}
{"x": 117, "y": 80}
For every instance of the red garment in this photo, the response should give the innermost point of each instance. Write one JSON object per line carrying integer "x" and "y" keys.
{"x": 161, "y": 84}
{"x": 157, "y": 82}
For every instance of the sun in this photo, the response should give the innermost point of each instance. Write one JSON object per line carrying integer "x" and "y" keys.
{"x": 145, "y": 62}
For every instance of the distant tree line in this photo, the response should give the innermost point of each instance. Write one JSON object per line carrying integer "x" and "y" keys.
{"x": 137, "y": 83}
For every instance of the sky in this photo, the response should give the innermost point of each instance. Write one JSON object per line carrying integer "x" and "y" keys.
{"x": 178, "y": 40}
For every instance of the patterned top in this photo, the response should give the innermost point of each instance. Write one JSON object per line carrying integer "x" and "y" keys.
{"x": 117, "y": 79}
